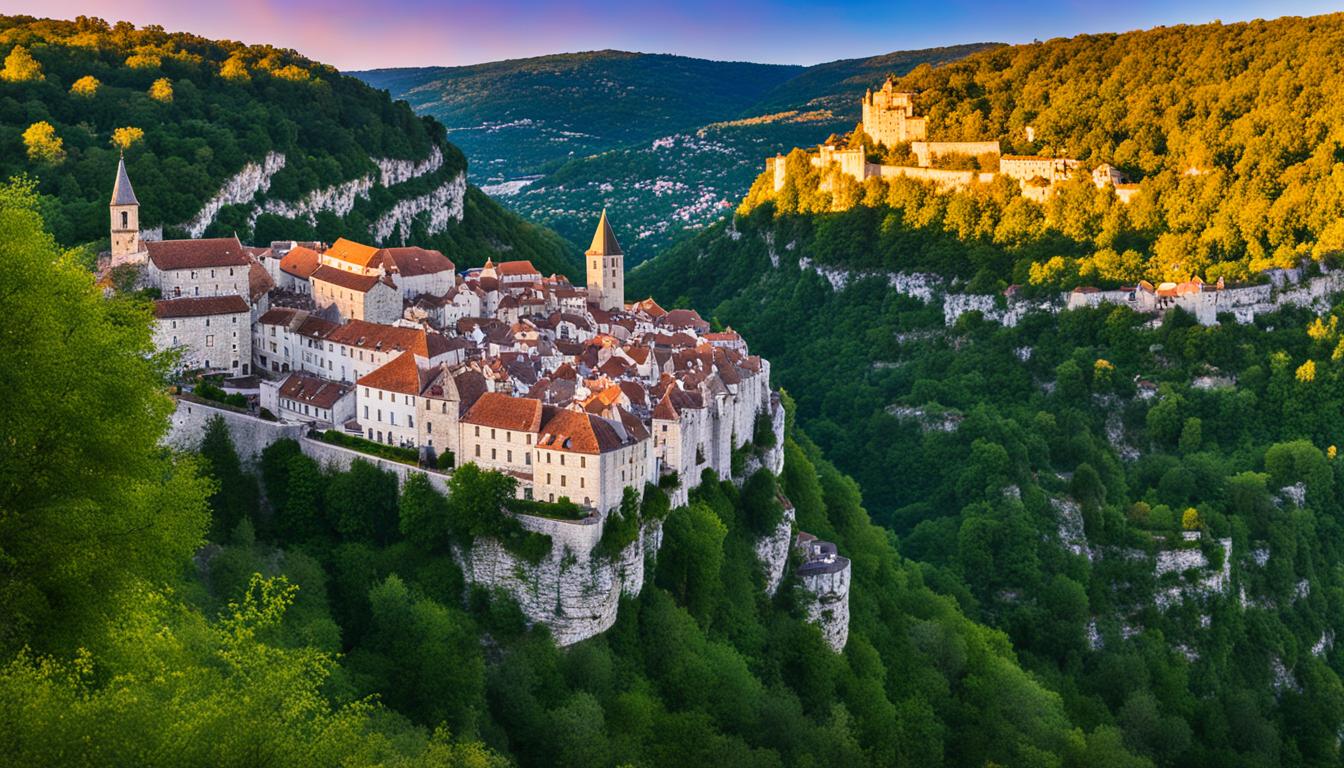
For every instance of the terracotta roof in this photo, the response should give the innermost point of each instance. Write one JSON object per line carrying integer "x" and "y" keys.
{"x": 386, "y": 338}
{"x": 516, "y": 268}
{"x": 259, "y": 281}
{"x": 400, "y": 375}
{"x": 122, "y": 194}
{"x": 604, "y": 239}
{"x": 493, "y": 409}
{"x": 683, "y": 318}
{"x": 349, "y": 280}
{"x": 634, "y": 392}
{"x": 579, "y": 432}
{"x": 354, "y": 253}
{"x": 300, "y": 262}
{"x": 307, "y": 388}
{"x": 197, "y": 254}
{"x": 200, "y": 306}
{"x": 665, "y": 410}
{"x": 413, "y": 260}
{"x": 649, "y": 307}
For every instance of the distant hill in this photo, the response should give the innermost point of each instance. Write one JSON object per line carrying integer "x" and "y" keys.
{"x": 667, "y": 143}
{"x": 521, "y": 115}
{"x": 248, "y": 139}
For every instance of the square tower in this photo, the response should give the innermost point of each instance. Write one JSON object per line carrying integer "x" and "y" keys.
{"x": 125, "y": 213}
{"x": 606, "y": 268}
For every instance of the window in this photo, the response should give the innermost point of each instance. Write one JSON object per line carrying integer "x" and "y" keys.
{"x": 429, "y": 427}
{"x": 508, "y": 456}
{"x": 562, "y": 481}
{"x": 209, "y": 341}
{"x": 527, "y": 459}
{"x": 493, "y": 454}
{"x": 583, "y": 461}
{"x": 478, "y": 451}
{"x": 125, "y": 220}
{"x": 410, "y": 421}
{"x": 478, "y": 433}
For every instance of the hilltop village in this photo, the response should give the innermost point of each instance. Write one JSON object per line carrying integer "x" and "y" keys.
{"x": 577, "y": 395}
{"x": 890, "y": 123}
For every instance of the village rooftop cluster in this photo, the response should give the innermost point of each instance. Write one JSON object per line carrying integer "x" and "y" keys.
{"x": 567, "y": 388}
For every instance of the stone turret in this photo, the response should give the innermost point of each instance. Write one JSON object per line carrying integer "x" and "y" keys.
{"x": 826, "y": 576}
{"x": 125, "y": 214}
{"x": 606, "y": 268}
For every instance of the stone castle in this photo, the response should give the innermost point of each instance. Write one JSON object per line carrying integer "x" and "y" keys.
{"x": 889, "y": 120}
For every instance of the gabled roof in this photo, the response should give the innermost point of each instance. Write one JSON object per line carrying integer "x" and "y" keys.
{"x": 200, "y": 306}
{"x": 300, "y": 262}
{"x": 349, "y": 280}
{"x": 412, "y": 261}
{"x": 259, "y": 281}
{"x": 516, "y": 268}
{"x": 354, "y": 253}
{"x": 307, "y": 388}
{"x": 400, "y": 375}
{"x": 579, "y": 432}
{"x": 197, "y": 254}
{"x": 122, "y": 194}
{"x": 494, "y": 409}
{"x": 604, "y": 239}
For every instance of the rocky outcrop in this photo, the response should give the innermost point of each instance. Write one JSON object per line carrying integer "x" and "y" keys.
{"x": 444, "y": 205}
{"x": 391, "y": 172}
{"x": 1207, "y": 582}
{"x": 241, "y": 188}
{"x": 338, "y": 199}
{"x": 825, "y": 576}
{"x": 572, "y": 591}
{"x": 772, "y": 550}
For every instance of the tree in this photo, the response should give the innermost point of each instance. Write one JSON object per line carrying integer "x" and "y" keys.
{"x": 761, "y": 510}
{"x": 476, "y": 501}
{"x": 361, "y": 502}
{"x": 42, "y": 143}
{"x": 86, "y": 86}
{"x": 90, "y": 503}
{"x": 21, "y": 67}
{"x": 124, "y": 138}
{"x": 692, "y": 554}
{"x": 423, "y": 514}
{"x": 235, "y": 493}
{"x": 234, "y": 68}
{"x": 161, "y": 90}
{"x": 1190, "y": 519}
{"x": 302, "y": 515}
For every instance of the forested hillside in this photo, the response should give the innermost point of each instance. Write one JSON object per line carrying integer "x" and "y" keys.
{"x": 1230, "y": 130}
{"x": 326, "y": 622}
{"x": 1047, "y": 473}
{"x": 668, "y": 144}
{"x": 267, "y": 143}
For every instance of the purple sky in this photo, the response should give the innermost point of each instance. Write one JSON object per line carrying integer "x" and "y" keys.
{"x": 369, "y": 34}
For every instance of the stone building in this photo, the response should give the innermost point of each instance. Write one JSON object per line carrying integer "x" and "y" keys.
{"x": 217, "y": 266}
{"x": 355, "y": 296}
{"x": 889, "y": 116}
{"x": 211, "y": 333}
{"x": 308, "y": 399}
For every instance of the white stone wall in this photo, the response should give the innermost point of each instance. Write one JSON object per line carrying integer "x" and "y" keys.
{"x": 387, "y": 417}
{"x": 491, "y": 448}
{"x": 216, "y": 342}
{"x": 212, "y": 281}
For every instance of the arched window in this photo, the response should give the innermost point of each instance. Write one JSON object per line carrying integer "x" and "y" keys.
{"x": 125, "y": 220}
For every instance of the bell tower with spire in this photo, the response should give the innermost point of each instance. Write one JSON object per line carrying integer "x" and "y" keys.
{"x": 606, "y": 268}
{"x": 125, "y": 210}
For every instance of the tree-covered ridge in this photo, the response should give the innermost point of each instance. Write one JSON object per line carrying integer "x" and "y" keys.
{"x": 1040, "y": 471}
{"x": 198, "y": 111}
{"x": 521, "y": 115}
{"x": 1231, "y": 130}
{"x": 326, "y": 622}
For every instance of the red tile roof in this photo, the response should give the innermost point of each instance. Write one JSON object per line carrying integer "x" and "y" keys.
{"x": 307, "y": 388}
{"x": 200, "y": 306}
{"x": 516, "y": 269}
{"x": 413, "y": 260}
{"x": 400, "y": 375}
{"x": 579, "y": 432}
{"x": 197, "y": 254}
{"x": 493, "y": 409}
{"x": 353, "y": 253}
{"x": 300, "y": 262}
{"x": 349, "y": 280}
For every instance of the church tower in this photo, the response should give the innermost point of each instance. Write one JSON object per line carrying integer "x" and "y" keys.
{"x": 125, "y": 209}
{"x": 606, "y": 268}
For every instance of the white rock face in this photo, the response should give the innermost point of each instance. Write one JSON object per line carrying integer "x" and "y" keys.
{"x": 338, "y": 199}
{"x": 829, "y": 608}
{"x": 773, "y": 551}
{"x": 392, "y": 171}
{"x": 241, "y": 188}
{"x": 571, "y": 591}
{"x": 1182, "y": 560}
{"x": 1070, "y": 527}
{"x": 444, "y": 205}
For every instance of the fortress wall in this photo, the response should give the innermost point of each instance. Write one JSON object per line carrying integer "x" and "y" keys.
{"x": 928, "y": 151}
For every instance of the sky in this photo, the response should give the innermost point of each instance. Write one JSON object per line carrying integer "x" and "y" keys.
{"x": 385, "y": 33}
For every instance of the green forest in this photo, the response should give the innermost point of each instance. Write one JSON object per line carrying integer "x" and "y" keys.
{"x": 166, "y": 608}
{"x": 1230, "y": 130}
{"x": 189, "y": 113}
{"x": 975, "y": 445}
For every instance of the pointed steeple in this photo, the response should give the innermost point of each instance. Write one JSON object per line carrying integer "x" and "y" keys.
{"x": 122, "y": 194}
{"x": 604, "y": 239}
